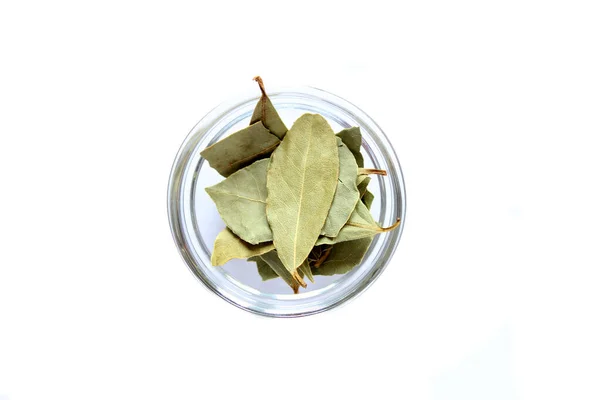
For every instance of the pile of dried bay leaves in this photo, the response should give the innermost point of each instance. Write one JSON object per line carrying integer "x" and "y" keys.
{"x": 294, "y": 201}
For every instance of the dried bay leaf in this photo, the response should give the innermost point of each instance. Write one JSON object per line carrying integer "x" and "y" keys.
{"x": 353, "y": 139}
{"x": 265, "y": 112}
{"x": 343, "y": 257}
{"x": 361, "y": 183}
{"x": 367, "y": 199}
{"x": 301, "y": 182}
{"x": 360, "y": 225}
{"x": 240, "y": 149}
{"x": 264, "y": 270}
{"x": 305, "y": 268}
{"x": 228, "y": 246}
{"x": 293, "y": 279}
{"x": 346, "y": 194}
{"x": 241, "y": 200}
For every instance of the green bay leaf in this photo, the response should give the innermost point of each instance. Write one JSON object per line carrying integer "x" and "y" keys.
{"x": 293, "y": 279}
{"x": 367, "y": 199}
{"x": 301, "y": 182}
{"x": 343, "y": 257}
{"x": 266, "y": 273}
{"x": 305, "y": 268}
{"x": 266, "y": 112}
{"x": 353, "y": 139}
{"x": 346, "y": 194}
{"x": 240, "y": 149}
{"x": 361, "y": 183}
{"x": 228, "y": 246}
{"x": 241, "y": 200}
{"x": 360, "y": 225}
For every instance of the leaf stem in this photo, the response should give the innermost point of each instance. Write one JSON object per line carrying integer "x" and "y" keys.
{"x": 379, "y": 228}
{"x": 299, "y": 279}
{"x": 261, "y": 85}
{"x": 322, "y": 258}
{"x": 368, "y": 171}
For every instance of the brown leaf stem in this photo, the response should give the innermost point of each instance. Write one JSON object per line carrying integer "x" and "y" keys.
{"x": 368, "y": 171}
{"x": 261, "y": 85}
{"x": 323, "y": 257}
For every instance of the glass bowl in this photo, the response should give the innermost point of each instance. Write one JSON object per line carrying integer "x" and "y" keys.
{"x": 195, "y": 221}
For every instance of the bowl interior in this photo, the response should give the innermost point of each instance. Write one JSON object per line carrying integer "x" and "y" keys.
{"x": 196, "y": 222}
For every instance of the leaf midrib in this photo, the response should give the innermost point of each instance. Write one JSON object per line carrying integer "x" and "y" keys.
{"x": 301, "y": 194}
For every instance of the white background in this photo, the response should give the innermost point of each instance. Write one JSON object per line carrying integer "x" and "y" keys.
{"x": 493, "y": 108}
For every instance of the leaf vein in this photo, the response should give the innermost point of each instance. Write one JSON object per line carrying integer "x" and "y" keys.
{"x": 239, "y": 195}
